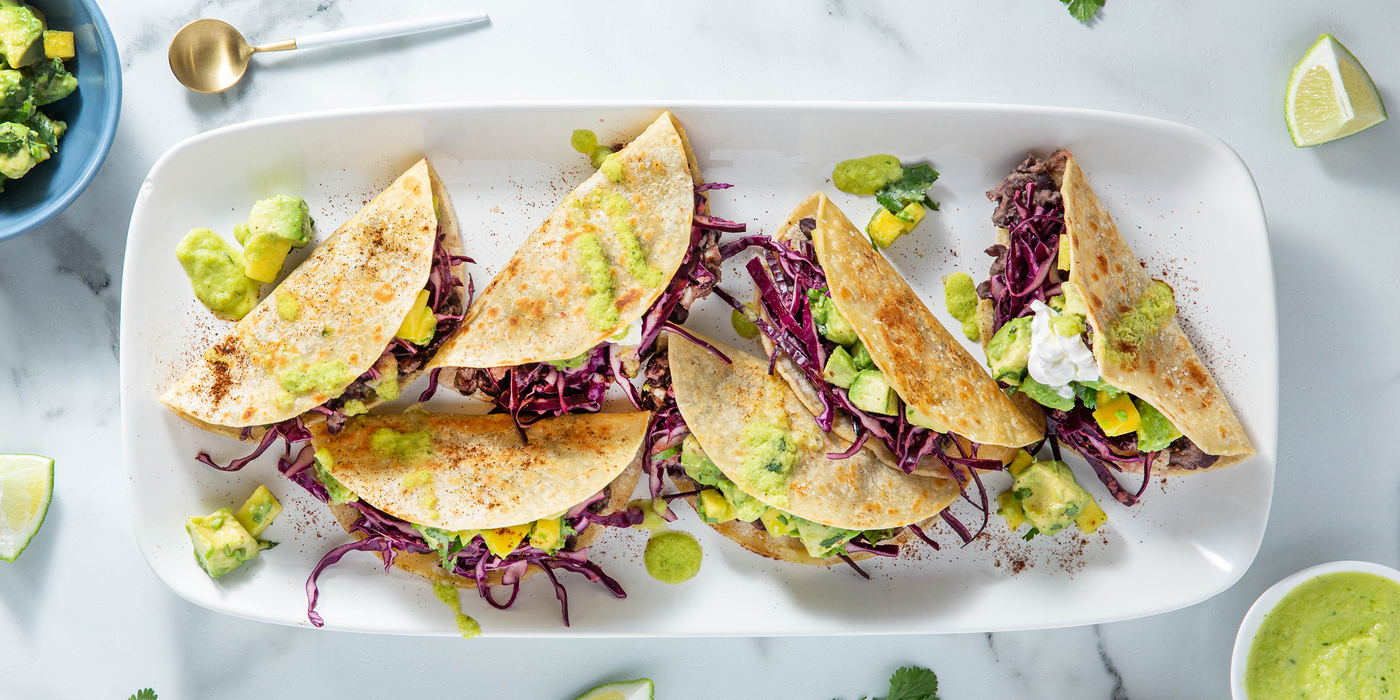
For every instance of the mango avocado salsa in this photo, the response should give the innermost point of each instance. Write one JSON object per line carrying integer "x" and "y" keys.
{"x": 35, "y": 77}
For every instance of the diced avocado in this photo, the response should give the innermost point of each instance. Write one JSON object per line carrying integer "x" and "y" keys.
{"x": 917, "y": 417}
{"x": 884, "y": 228}
{"x": 1155, "y": 431}
{"x": 1050, "y": 497}
{"x": 840, "y": 368}
{"x": 21, "y": 36}
{"x": 861, "y": 356}
{"x": 15, "y": 102}
{"x": 221, "y": 544}
{"x": 322, "y": 467}
{"x": 46, "y": 130}
{"x": 49, "y": 81}
{"x": 712, "y": 507}
{"x": 1010, "y": 508}
{"x": 870, "y": 392}
{"x": 38, "y": 14}
{"x": 822, "y": 541}
{"x": 258, "y": 511}
{"x": 283, "y": 216}
{"x": 215, "y": 270}
{"x": 1067, "y": 325}
{"x": 1117, "y": 415}
{"x": 16, "y": 158}
{"x": 503, "y": 540}
{"x": 263, "y": 257}
{"x": 547, "y": 534}
{"x": 420, "y": 324}
{"x": 1009, "y": 350}
{"x": 779, "y": 523}
{"x": 59, "y": 44}
{"x": 830, "y": 322}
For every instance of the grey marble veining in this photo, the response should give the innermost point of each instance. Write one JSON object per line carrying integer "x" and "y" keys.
{"x": 81, "y": 616}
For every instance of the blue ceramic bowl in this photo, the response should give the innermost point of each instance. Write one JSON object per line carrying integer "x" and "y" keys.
{"x": 91, "y": 112}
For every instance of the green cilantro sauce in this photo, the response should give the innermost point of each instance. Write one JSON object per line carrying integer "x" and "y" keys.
{"x": 405, "y": 447}
{"x": 322, "y": 466}
{"x": 866, "y": 175}
{"x": 288, "y": 307}
{"x": 960, "y": 295}
{"x": 673, "y": 557}
{"x": 602, "y": 306}
{"x": 1132, "y": 329}
{"x": 215, "y": 269}
{"x": 1336, "y": 637}
{"x": 448, "y": 594}
{"x": 618, "y": 208}
{"x": 769, "y": 456}
{"x": 325, "y": 377}
{"x": 742, "y": 325}
{"x": 586, "y": 142}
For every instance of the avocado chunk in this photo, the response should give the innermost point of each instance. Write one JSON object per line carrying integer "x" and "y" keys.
{"x": 830, "y": 322}
{"x": 779, "y": 523}
{"x": 49, "y": 81}
{"x": 46, "y": 131}
{"x": 215, "y": 269}
{"x": 221, "y": 544}
{"x": 861, "y": 356}
{"x": 871, "y": 393}
{"x": 1155, "y": 431}
{"x": 1051, "y": 500}
{"x": 21, "y": 36}
{"x": 917, "y": 417}
{"x": 15, "y": 102}
{"x": 822, "y": 541}
{"x": 282, "y": 216}
{"x": 258, "y": 511}
{"x": 420, "y": 324}
{"x": 1009, "y": 351}
{"x": 548, "y": 534}
{"x": 840, "y": 369}
{"x": 16, "y": 157}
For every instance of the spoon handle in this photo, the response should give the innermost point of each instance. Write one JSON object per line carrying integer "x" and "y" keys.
{"x": 385, "y": 31}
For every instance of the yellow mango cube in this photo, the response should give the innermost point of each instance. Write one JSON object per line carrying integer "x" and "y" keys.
{"x": 1091, "y": 517}
{"x": 714, "y": 506}
{"x": 59, "y": 45}
{"x": 1118, "y": 415}
{"x": 503, "y": 540}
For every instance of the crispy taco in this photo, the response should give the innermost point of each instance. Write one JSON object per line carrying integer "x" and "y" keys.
{"x": 764, "y": 474}
{"x": 1071, "y": 319}
{"x": 459, "y": 500}
{"x": 581, "y": 303}
{"x": 868, "y": 359}
{"x": 347, "y": 329}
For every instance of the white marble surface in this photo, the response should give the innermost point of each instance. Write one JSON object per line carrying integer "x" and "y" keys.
{"x": 81, "y": 615}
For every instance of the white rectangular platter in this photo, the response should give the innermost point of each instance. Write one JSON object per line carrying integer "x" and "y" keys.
{"x": 1183, "y": 199}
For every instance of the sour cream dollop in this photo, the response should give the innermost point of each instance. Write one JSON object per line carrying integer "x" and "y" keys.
{"x": 1055, "y": 360}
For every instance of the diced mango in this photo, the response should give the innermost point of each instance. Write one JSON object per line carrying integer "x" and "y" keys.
{"x": 503, "y": 540}
{"x": 1010, "y": 508}
{"x": 911, "y": 214}
{"x": 1023, "y": 459}
{"x": 420, "y": 324}
{"x": 714, "y": 508}
{"x": 544, "y": 535}
{"x": 1091, "y": 517}
{"x": 1117, "y": 415}
{"x": 1062, "y": 261}
{"x": 59, "y": 44}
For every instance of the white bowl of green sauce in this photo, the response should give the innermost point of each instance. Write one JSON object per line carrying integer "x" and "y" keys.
{"x": 1328, "y": 632}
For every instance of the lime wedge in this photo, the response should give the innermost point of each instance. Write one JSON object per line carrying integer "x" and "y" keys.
{"x": 1330, "y": 95}
{"x": 640, "y": 689}
{"x": 26, "y": 487}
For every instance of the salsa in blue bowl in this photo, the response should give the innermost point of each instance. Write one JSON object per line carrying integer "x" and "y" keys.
{"x": 91, "y": 113}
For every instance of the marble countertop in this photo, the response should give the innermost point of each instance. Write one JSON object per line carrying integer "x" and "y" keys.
{"x": 82, "y": 616}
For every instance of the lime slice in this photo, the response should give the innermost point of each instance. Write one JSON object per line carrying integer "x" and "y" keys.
{"x": 1330, "y": 95}
{"x": 26, "y": 487}
{"x": 640, "y": 689}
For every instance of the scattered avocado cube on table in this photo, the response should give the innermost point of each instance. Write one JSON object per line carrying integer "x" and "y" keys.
{"x": 258, "y": 511}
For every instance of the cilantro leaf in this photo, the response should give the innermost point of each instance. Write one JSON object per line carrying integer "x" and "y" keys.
{"x": 913, "y": 187}
{"x": 1030, "y": 535}
{"x": 1084, "y": 10}
{"x": 144, "y": 694}
{"x": 913, "y": 683}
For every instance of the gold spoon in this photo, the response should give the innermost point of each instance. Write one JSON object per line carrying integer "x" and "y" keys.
{"x": 208, "y": 55}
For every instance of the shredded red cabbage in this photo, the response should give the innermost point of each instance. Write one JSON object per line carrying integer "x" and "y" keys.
{"x": 390, "y": 536}
{"x": 1081, "y": 432}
